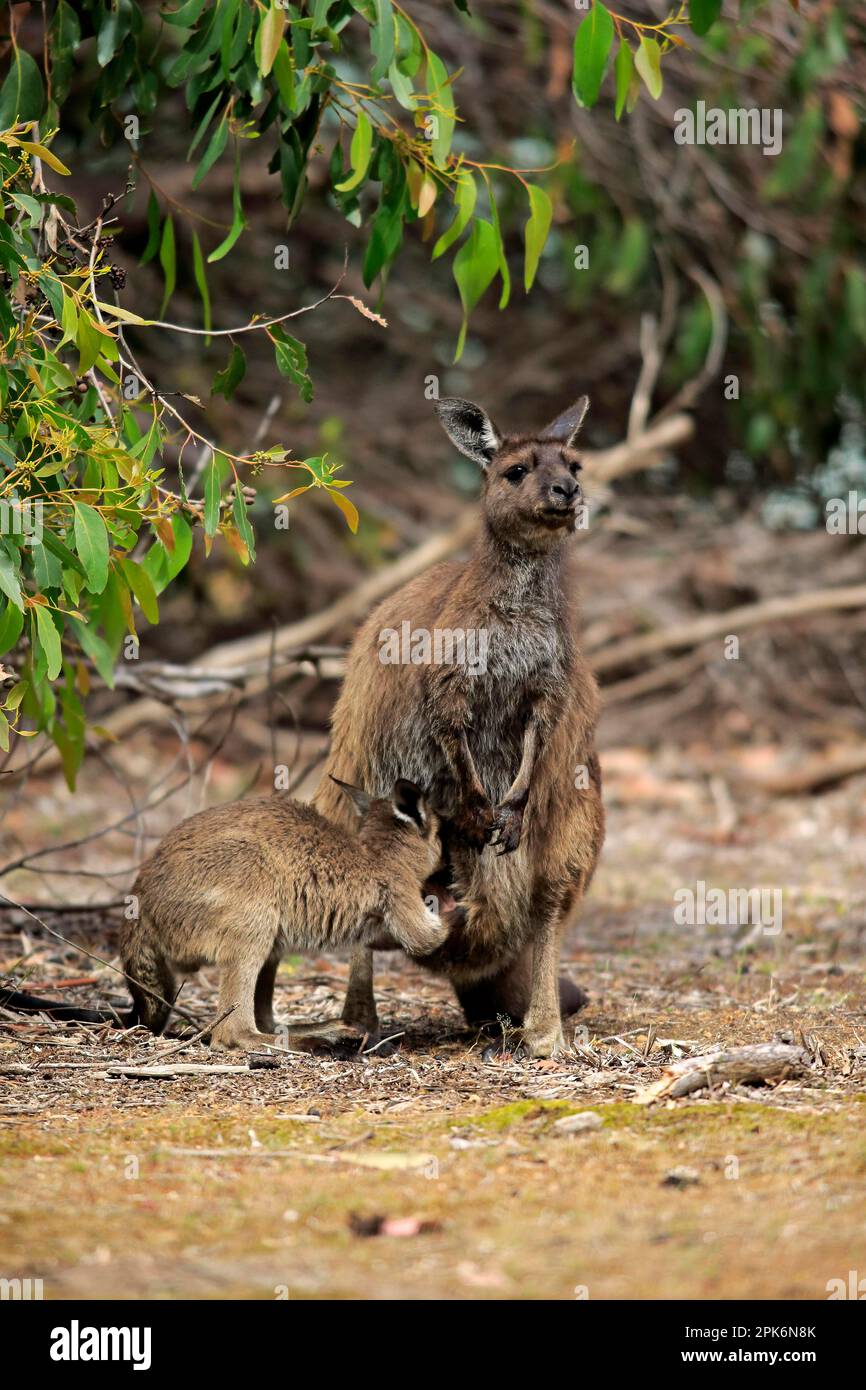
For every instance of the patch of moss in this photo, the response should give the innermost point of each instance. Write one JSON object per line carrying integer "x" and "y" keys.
{"x": 505, "y": 1115}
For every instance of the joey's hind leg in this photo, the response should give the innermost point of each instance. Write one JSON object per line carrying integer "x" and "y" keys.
{"x": 238, "y": 979}
{"x": 359, "y": 1008}
{"x": 264, "y": 994}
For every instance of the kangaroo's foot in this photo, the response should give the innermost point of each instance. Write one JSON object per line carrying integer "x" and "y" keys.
{"x": 527, "y": 1044}
{"x": 225, "y": 1039}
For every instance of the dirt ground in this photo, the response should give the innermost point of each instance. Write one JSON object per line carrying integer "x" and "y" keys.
{"x": 429, "y": 1173}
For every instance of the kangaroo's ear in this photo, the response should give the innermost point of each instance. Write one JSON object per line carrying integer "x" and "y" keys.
{"x": 409, "y": 803}
{"x": 566, "y": 426}
{"x": 359, "y": 798}
{"x": 469, "y": 428}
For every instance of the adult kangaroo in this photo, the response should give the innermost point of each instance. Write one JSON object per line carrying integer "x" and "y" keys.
{"x": 504, "y": 742}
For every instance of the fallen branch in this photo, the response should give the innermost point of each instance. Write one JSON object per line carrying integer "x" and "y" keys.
{"x": 733, "y": 620}
{"x": 813, "y": 774}
{"x": 179, "y": 1069}
{"x": 737, "y": 1065}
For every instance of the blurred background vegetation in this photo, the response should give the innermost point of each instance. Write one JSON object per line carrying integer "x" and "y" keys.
{"x": 741, "y": 276}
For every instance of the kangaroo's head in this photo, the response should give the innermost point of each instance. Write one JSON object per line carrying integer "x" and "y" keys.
{"x": 531, "y": 488}
{"x": 402, "y": 824}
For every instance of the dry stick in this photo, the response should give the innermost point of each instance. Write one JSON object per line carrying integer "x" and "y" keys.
{"x": 756, "y": 1062}
{"x": 748, "y": 615}
{"x": 669, "y": 673}
{"x": 208, "y": 1028}
{"x": 815, "y": 772}
{"x": 180, "y": 1069}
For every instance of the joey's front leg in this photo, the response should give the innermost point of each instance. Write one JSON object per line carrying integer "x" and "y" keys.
{"x": 475, "y": 820}
{"x": 508, "y": 816}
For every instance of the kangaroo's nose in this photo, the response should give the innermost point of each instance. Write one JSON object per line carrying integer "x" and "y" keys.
{"x": 568, "y": 491}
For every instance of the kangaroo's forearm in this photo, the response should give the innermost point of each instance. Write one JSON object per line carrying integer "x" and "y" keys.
{"x": 518, "y": 792}
{"x": 457, "y": 753}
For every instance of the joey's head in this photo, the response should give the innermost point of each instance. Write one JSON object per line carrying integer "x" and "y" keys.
{"x": 402, "y": 824}
{"x": 531, "y": 482}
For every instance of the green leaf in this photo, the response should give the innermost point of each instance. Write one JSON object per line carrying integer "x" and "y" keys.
{"x": 22, "y": 94}
{"x": 153, "y": 224}
{"x": 703, "y": 14}
{"x": 216, "y": 145}
{"x": 112, "y": 31}
{"x": 387, "y": 232}
{"x": 535, "y": 232}
{"x": 67, "y": 557}
{"x": 382, "y": 39}
{"x": 238, "y": 220}
{"x": 211, "y": 497}
{"x": 245, "y": 530}
{"x": 90, "y": 342}
{"x": 201, "y": 285}
{"x": 648, "y": 63}
{"x": 226, "y": 382}
{"x": 11, "y": 623}
{"x": 91, "y": 542}
{"x": 504, "y": 272}
{"x": 186, "y": 16}
{"x": 141, "y": 585}
{"x": 623, "y": 70}
{"x": 475, "y": 265}
{"x": 592, "y": 44}
{"x": 284, "y": 76}
{"x": 168, "y": 261}
{"x": 442, "y": 100}
{"x": 465, "y": 195}
{"x": 359, "y": 154}
{"x": 48, "y": 638}
{"x": 401, "y": 86}
{"x": 95, "y": 646}
{"x": 291, "y": 358}
{"x": 69, "y": 319}
{"x": 10, "y": 584}
{"x": 162, "y": 564}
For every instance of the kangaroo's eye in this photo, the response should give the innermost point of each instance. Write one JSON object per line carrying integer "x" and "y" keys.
{"x": 516, "y": 473}
{"x": 574, "y": 469}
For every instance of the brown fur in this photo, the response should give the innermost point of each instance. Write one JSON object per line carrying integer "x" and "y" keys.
{"x": 501, "y": 751}
{"x": 241, "y": 884}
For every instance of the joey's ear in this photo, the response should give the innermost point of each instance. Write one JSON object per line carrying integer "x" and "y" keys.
{"x": 469, "y": 428}
{"x": 409, "y": 803}
{"x": 359, "y": 799}
{"x": 566, "y": 426}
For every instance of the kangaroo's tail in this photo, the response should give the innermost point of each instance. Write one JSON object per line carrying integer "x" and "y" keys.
{"x": 149, "y": 976}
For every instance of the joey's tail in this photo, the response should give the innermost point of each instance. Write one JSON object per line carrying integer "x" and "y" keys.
{"x": 149, "y": 976}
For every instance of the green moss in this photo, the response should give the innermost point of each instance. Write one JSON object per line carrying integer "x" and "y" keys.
{"x": 506, "y": 1115}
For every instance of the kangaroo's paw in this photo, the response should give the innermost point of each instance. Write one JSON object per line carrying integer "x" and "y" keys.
{"x": 508, "y": 828}
{"x": 474, "y": 823}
